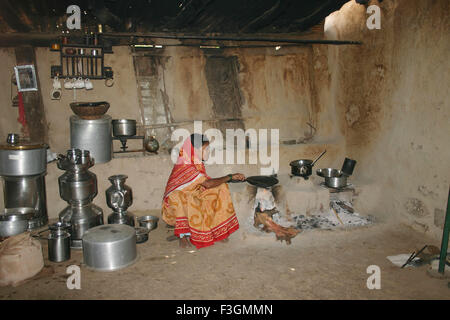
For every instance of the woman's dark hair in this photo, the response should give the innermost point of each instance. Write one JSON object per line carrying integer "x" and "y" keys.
{"x": 198, "y": 140}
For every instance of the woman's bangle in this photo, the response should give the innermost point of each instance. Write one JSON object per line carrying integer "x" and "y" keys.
{"x": 230, "y": 176}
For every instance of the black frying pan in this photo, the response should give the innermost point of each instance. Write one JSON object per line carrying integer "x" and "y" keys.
{"x": 260, "y": 181}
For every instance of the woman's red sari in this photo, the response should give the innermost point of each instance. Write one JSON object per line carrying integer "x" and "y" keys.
{"x": 208, "y": 215}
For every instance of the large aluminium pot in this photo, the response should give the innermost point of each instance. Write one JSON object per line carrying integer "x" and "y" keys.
{"x": 23, "y": 159}
{"x": 109, "y": 247}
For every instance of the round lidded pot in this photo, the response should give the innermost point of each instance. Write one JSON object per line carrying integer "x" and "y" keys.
{"x": 109, "y": 247}
{"x": 22, "y": 159}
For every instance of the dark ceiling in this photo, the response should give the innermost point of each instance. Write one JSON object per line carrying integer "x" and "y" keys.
{"x": 186, "y": 16}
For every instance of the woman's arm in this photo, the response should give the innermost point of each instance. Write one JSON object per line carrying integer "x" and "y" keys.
{"x": 211, "y": 183}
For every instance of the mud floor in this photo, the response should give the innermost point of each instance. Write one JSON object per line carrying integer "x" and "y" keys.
{"x": 319, "y": 264}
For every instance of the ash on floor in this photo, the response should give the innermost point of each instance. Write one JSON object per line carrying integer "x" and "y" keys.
{"x": 341, "y": 214}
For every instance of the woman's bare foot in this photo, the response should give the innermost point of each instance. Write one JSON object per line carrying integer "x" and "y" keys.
{"x": 224, "y": 240}
{"x": 185, "y": 242}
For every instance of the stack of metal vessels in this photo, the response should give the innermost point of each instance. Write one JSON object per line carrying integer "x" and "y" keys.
{"x": 78, "y": 186}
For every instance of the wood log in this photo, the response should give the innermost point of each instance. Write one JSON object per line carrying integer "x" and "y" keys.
{"x": 264, "y": 222}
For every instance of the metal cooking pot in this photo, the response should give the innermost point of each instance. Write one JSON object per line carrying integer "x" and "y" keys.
{"x": 124, "y": 128}
{"x": 303, "y": 167}
{"x": 109, "y": 247}
{"x": 334, "y": 178}
{"x": 336, "y": 182}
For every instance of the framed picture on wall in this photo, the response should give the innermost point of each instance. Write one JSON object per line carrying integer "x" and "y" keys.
{"x": 26, "y": 78}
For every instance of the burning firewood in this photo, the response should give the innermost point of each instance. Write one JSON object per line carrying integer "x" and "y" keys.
{"x": 263, "y": 221}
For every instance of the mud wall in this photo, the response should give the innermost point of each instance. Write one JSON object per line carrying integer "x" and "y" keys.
{"x": 392, "y": 101}
{"x": 273, "y": 89}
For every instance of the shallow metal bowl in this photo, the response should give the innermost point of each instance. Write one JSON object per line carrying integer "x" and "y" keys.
{"x": 141, "y": 234}
{"x": 12, "y": 224}
{"x": 149, "y": 222}
{"x": 329, "y": 173}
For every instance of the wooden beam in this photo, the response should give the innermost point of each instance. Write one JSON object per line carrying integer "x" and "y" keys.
{"x": 33, "y": 104}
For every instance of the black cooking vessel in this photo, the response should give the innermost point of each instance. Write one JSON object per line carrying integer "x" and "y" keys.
{"x": 260, "y": 181}
{"x": 303, "y": 167}
{"x": 348, "y": 166}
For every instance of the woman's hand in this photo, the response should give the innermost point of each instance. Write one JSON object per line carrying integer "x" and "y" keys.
{"x": 212, "y": 183}
{"x": 238, "y": 176}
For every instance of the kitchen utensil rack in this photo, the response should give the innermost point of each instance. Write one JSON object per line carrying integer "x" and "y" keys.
{"x": 86, "y": 65}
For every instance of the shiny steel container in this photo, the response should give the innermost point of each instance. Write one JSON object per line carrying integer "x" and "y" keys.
{"x": 149, "y": 222}
{"x": 58, "y": 246}
{"x": 92, "y": 135}
{"x": 23, "y": 168}
{"x": 81, "y": 219}
{"x": 119, "y": 197}
{"x": 26, "y": 194}
{"x": 124, "y": 127}
{"x": 23, "y": 160}
{"x": 10, "y": 225}
{"x": 78, "y": 186}
{"x": 109, "y": 247}
{"x": 336, "y": 182}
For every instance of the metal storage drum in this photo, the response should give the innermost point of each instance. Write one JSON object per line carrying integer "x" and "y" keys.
{"x": 92, "y": 135}
{"x": 109, "y": 247}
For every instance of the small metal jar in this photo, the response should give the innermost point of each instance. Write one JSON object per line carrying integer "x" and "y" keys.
{"x": 59, "y": 242}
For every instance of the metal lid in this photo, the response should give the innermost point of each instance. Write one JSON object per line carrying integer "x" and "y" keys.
{"x": 23, "y": 146}
{"x": 109, "y": 233}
